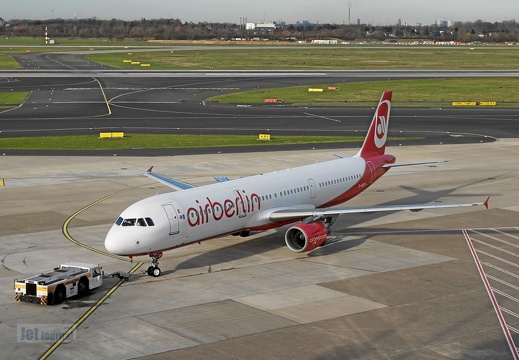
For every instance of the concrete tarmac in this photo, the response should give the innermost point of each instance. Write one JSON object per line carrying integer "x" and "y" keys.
{"x": 400, "y": 285}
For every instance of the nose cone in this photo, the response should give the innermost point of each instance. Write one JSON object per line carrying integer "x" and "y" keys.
{"x": 114, "y": 243}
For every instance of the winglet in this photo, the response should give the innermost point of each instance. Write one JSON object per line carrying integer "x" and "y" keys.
{"x": 486, "y": 202}
{"x": 173, "y": 183}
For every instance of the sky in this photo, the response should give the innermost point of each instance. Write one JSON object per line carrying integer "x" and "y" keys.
{"x": 375, "y": 12}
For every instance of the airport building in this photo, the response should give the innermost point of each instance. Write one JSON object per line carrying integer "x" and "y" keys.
{"x": 261, "y": 26}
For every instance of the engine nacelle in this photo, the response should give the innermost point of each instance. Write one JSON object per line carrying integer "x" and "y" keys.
{"x": 306, "y": 237}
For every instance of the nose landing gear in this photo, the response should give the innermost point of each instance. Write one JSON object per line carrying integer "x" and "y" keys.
{"x": 154, "y": 269}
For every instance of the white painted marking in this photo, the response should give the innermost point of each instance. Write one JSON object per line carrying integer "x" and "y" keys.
{"x": 490, "y": 291}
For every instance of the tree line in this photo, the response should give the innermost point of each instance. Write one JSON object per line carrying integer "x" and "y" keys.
{"x": 175, "y": 29}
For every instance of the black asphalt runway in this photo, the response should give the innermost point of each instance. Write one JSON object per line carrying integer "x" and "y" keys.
{"x": 69, "y": 95}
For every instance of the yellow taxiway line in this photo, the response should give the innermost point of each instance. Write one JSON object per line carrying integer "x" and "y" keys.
{"x": 109, "y": 292}
{"x": 87, "y": 314}
{"x": 67, "y": 222}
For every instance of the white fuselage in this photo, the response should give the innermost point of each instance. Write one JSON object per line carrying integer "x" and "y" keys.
{"x": 178, "y": 218}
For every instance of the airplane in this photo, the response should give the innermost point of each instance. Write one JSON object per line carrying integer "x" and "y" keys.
{"x": 304, "y": 195}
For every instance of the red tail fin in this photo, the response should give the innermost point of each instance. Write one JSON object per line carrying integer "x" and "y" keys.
{"x": 375, "y": 141}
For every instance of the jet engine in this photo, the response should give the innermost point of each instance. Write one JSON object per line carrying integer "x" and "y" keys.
{"x": 306, "y": 237}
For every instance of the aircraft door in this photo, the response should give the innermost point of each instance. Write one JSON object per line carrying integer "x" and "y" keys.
{"x": 240, "y": 203}
{"x": 171, "y": 212}
{"x": 313, "y": 190}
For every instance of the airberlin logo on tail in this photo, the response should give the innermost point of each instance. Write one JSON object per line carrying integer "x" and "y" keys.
{"x": 381, "y": 123}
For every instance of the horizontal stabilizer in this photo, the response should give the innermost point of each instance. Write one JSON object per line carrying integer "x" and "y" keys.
{"x": 221, "y": 178}
{"x": 413, "y": 163}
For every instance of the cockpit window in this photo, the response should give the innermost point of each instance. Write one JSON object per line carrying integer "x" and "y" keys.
{"x": 129, "y": 222}
{"x": 135, "y": 222}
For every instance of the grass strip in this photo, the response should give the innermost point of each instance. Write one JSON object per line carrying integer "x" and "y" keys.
{"x": 412, "y": 93}
{"x": 8, "y": 62}
{"x": 300, "y": 57}
{"x": 13, "y": 98}
{"x": 151, "y": 141}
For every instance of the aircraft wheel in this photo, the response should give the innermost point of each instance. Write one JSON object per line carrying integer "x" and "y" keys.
{"x": 156, "y": 272}
{"x": 150, "y": 271}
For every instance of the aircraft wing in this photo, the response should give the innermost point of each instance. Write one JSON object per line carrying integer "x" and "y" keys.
{"x": 172, "y": 183}
{"x": 287, "y": 214}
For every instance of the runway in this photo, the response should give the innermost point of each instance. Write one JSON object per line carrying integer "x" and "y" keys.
{"x": 401, "y": 285}
{"x": 82, "y": 105}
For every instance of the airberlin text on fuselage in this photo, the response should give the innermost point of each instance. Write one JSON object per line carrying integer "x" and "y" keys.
{"x": 207, "y": 210}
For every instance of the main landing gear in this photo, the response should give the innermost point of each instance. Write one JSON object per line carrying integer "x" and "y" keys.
{"x": 154, "y": 269}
